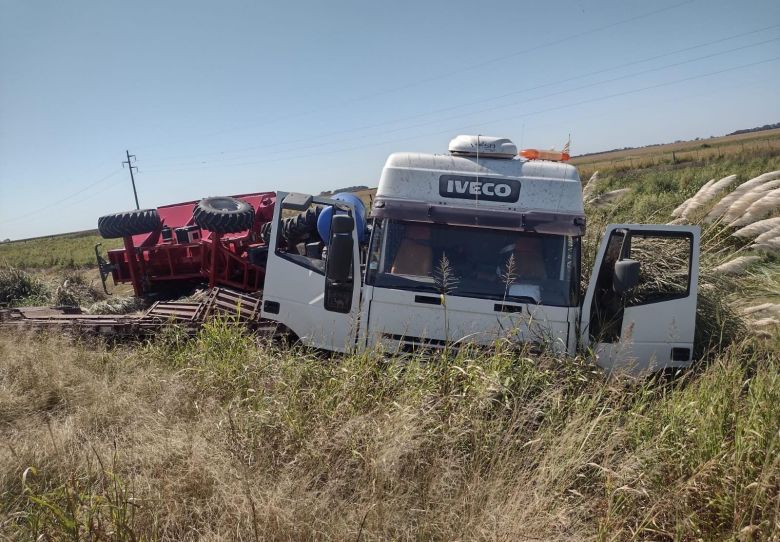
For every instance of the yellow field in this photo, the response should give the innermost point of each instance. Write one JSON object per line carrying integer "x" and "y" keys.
{"x": 764, "y": 142}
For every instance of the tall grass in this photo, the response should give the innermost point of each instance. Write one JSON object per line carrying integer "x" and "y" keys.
{"x": 225, "y": 438}
{"x": 19, "y": 287}
{"x": 68, "y": 288}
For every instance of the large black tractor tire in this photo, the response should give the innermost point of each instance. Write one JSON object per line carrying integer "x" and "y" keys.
{"x": 128, "y": 223}
{"x": 224, "y": 215}
{"x": 298, "y": 228}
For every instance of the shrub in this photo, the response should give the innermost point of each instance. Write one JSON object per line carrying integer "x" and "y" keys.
{"x": 19, "y": 287}
{"x": 75, "y": 290}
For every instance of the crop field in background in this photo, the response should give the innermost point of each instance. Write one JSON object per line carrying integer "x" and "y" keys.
{"x": 759, "y": 143}
{"x": 673, "y": 161}
{"x": 229, "y": 437}
{"x": 66, "y": 251}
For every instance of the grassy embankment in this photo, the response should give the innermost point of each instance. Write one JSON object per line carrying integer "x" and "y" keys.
{"x": 227, "y": 437}
{"x": 66, "y": 251}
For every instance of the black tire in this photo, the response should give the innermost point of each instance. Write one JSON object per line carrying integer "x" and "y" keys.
{"x": 224, "y": 215}
{"x": 128, "y": 223}
{"x": 295, "y": 229}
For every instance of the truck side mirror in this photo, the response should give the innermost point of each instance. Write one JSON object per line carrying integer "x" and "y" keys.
{"x": 626, "y": 275}
{"x": 339, "y": 262}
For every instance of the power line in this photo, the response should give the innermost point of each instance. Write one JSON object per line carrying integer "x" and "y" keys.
{"x": 443, "y": 75}
{"x": 537, "y": 112}
{"x": 374, "y": 144}
{"x": 566, "y": 90}
{"x": 493, "y": 98}
{"x": 59, "y": 201}
{"x": 105, "y": 188}
{"x": 628, "y": 108}
{"x": 634, "y": 91}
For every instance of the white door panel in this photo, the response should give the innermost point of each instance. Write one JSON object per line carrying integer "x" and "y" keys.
{"x": 652, "y": 326}
{"x": 294, "y": 295}
{"x": 300, "y": 295}
{"x": 647, "y": 347}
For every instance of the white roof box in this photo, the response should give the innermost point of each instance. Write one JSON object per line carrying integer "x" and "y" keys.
{"x": 487, "y": 146}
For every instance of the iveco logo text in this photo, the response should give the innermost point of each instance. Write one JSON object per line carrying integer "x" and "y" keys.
{"x": 478, "y": 187}
{"x": 458, "y": 186}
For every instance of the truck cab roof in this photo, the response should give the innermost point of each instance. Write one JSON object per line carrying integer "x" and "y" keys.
{"x": 468, "y": 181}
{"x": 499, "y": 190}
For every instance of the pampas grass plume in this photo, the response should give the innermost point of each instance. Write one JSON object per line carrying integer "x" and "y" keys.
{"x": 705, "y": 194}
{"x": 768, "y": 235}
{"x": 763, "y": 307}
{"x": 678, "y": 212}
{"x": 739, "y": 207}
{"x": 608, "y": 197}
{"x": 590, "y": 186}
{"x": 770, "y": 245}
{"x": 721, "y": 207}
{"x": 757, "y": 228}
{"x": 765, "y": 322}
{"x": 759, "y": 209}
{"x": 737, "y": 265}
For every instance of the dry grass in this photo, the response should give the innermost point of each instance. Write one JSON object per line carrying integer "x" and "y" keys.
{"x": 222, "y": 439}
{"x": 60, "y": 288}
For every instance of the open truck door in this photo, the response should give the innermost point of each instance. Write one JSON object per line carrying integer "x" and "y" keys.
{"x": 639, "y": 312}
{"x": 315, "y": 293}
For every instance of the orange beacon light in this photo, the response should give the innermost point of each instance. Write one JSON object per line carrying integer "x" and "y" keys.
{"x": 556, "y": 156}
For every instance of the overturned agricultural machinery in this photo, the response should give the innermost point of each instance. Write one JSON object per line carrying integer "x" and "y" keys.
{"x": 220, "y": 240}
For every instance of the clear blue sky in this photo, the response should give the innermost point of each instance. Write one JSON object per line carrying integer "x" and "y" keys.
{"x": 227, "y": 97}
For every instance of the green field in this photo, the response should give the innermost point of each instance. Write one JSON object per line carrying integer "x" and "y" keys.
{"x": 66, "y": 251}
{"x": 229, "y": 437}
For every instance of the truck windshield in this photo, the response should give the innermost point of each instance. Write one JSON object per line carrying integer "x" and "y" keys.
{"x": 475, "y": 262}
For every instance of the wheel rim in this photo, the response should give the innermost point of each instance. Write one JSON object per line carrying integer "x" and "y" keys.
{"x": 225, "y": 204}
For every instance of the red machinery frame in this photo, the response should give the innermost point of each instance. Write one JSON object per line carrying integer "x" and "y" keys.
{"x": 148, "y": 261}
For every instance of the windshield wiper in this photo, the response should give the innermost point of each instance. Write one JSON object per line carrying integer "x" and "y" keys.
{"x": 418, "y": 288}
{"x": 410, "y": 285}
{"x": 498, "y": 297}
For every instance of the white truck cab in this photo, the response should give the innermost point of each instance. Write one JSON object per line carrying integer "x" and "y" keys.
{"x": 481, "y": 244}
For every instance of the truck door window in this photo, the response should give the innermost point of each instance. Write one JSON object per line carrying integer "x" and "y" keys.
{"x": 665, "y": 267}
{"x": 298, "y": 239}
{"x": 665, "y": 261}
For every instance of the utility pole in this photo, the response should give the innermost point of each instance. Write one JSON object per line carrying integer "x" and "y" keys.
{"x": 132, "y": 179}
